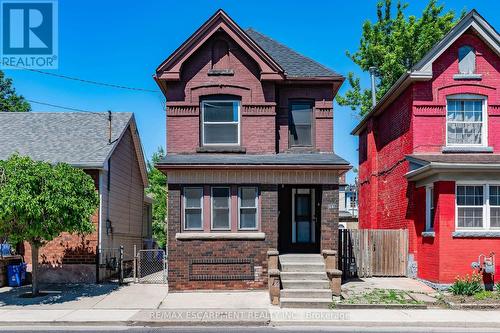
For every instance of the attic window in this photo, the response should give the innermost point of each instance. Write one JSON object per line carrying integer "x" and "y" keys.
{"x": 220, "y": 58}
{"x": 466, "y": 60}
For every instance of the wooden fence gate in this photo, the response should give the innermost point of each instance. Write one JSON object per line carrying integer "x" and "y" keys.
{"x": 368, "y": 252}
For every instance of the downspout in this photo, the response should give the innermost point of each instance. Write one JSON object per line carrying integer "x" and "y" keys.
{"x": 373, "y": 71}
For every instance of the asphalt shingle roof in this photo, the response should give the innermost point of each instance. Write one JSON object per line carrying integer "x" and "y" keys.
{"x": 248, "y": 159}
{"x": 77, "y": 138}
{"x": 294, "y": 64}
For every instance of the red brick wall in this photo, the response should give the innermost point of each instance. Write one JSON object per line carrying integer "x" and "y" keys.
{"x": 261, "y": 102}
{"x": 229, "y": 253}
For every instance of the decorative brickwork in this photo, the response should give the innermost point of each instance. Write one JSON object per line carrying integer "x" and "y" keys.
{"x": 329, "y": 217}
{"x": 221, "y": 269}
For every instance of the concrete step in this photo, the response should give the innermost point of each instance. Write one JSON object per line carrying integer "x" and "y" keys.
{"x": 305, "y": 284}
{"x": 302, "y": 267}
{"x": 308, "y": 303}
{"x": 303, "y": 276}
{"x": 301, "y": 258}
{"x": 305, "y": 293}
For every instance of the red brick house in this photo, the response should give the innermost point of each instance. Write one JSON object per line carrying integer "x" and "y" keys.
{"x": 111, "y": 153}
{"x": 429, "y": 154}
{"x": 250, "y": 159}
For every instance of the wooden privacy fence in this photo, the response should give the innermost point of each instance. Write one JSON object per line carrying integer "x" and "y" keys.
{"x": 368, "y": 252}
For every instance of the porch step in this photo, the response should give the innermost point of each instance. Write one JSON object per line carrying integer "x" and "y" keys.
{"x": 305, "y": 284}
{"x": 304, "y": 276}
{"x": 301, "y": 258}
{"x": 302, "y": 267}
{"x": 305, "y": 293}
{"x": 308, "y": 303}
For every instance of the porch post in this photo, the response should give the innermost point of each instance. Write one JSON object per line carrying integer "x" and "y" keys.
{"x": 274, "y": 276}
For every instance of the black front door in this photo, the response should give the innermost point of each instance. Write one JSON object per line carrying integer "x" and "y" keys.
{"x": 299, "y": 220}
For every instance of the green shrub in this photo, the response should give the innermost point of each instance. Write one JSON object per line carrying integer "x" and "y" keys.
{"x": 497, "y": 286}
{"x": 467, "y": 286}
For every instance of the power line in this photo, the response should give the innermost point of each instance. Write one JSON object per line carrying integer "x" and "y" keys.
{"x": 64, "y": 107}
{"x": 84, "y": 80}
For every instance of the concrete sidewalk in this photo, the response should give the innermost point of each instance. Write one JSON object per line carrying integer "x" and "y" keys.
{"x": 253, "y": 317}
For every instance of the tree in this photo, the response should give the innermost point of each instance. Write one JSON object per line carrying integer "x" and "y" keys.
{"x": 10, "y": 101}
{"x": 394, "y": 44}
{"x": 158, "y": 191}
{"x": 39, "y": 201}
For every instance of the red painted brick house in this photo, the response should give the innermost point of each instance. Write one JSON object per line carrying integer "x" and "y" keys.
{"x": 250, "y": 159}
{"x": 113, "y": 157}
{"x": 429, "y": 154}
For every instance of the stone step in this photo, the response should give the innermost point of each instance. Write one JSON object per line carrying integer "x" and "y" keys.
{"x": 305, "y": 284}
{"x": 307, "y": 303}
{"x": 303, "y": 276}
{"x": 301, "y": 258}
{"x": 305, "y": 293}
{"x": 302, "y": 267}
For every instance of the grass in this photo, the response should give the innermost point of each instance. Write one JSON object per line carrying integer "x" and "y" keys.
{"x": 382, "y": 296}
{"x": 482, "y": 295}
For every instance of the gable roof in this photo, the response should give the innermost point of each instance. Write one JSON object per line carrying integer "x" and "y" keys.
{"x": 295, "y": 64}
{"x": 422, "y": 71}
{"x": 276, "y": 61}
{"x": 78, "y": 138}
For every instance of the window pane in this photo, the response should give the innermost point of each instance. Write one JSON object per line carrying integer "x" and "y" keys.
{"x": 248, "y": 218}
{"x": 220, "y": 133}
{"x": 464, "y": 122}
{"x": 494, "y": 195}
{"x": 301, "y": 135}
{"x": 220, "y": 111}
{"x": 470, "y": 217}
{"x": 466, "y": 60}
{"x": 301, "y": 114}
{"x": 495, "y": 217}
{"x": 220, "y": 218}
{"x": 193, "y": 219}
{"x": 220, "y": 197}
{"x": 193, "y": 197}
{"x": 247, "y": 196}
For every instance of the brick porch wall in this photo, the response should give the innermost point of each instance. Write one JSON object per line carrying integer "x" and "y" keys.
{"x": 216, "y": 257}
{"x": 329, "y": 217}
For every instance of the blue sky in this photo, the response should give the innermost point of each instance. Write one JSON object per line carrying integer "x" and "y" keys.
{"x": 122, "y": 42}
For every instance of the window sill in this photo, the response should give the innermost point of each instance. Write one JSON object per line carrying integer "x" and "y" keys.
{"x": 431, "y": 234}
{"x": 467, "y": 77}
{"x": 476, "y": 234}
{"x": 220, "y": 72}
{"x": 220, "y": 236}
{"x": 221, "y": 149}
{"x": 458, "y": 150}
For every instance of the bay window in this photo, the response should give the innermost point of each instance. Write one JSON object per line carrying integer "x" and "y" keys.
{"x": 478, "y": 206}
{"x": 220, "y": 122}
{"x": 221, "y": 208}
{"x": 193, "y": 208}
{"x": 466, "y": 121}
{"x": 247, "y": 206}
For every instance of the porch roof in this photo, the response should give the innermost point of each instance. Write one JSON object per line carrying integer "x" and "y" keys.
{"x": 329, "y": 160}
{"x": 425, "y": 166}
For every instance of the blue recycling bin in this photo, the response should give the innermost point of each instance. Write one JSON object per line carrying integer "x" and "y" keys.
{"x": 16, "y": 274}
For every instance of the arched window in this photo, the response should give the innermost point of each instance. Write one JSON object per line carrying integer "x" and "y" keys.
{"x": 466, "y": 60}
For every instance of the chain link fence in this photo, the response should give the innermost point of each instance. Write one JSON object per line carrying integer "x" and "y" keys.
{"x": 152, "y": 266}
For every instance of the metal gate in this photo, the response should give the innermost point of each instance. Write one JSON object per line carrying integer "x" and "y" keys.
{"x": 151, "y": 266}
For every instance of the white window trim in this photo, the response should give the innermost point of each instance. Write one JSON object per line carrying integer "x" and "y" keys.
{"x": 484, "y": 133}
{"x": 184, "y": 206}
{"x": 486, "y": 205}
{"x": 212, "y": 207}
{"x": 428, "y": 205}
{"x": 220, "y": 122}
{"x": 256, "y": 208}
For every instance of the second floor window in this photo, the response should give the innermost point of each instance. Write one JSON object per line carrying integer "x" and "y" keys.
{"x": 220, "y": 122}
{"x": 465, "y": 122}
{"x": 300, "y": 124}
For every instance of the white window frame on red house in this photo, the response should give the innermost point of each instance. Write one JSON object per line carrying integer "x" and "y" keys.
{"x": 184, "y": 207}
{"x": 256, "y": 207}
{"x": 486, "y": 205}
{"x": 429, "y": 208}
{"x": 484, "y": 128}
{"x": 229, "y": 201}
{"x": 203, "y": 122}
